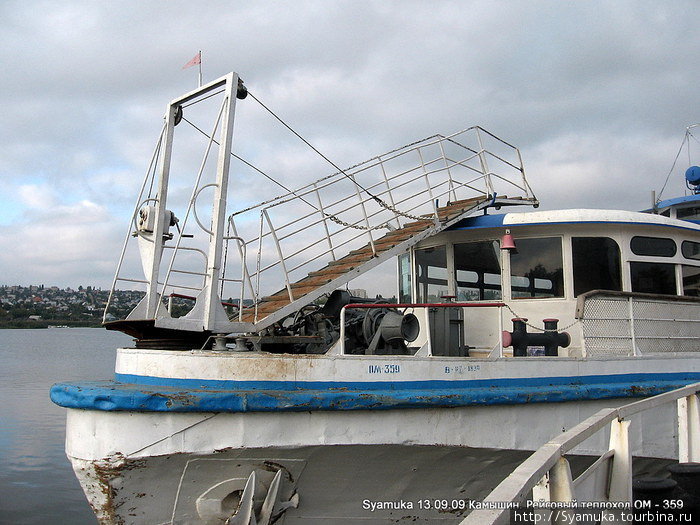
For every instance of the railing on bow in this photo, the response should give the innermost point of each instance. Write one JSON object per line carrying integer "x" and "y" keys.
{"x": 609, "y": 479}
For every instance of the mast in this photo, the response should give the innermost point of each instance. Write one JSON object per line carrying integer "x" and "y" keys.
{"x": 212, "y": 302}
{"x": 207, "y": 314}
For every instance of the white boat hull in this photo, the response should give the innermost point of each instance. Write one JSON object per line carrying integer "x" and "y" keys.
{"x": 333, "y": 484}
{"x": 171, "y": 461}
{"x": 138, "y": 467}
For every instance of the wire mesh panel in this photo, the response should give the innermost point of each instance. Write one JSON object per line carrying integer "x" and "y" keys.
{"x": 629, "y": 324}
{"x": 607, "y": 327}
{"x": 666, "y": 327}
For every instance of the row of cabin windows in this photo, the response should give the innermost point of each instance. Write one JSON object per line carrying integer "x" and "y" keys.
{"x": 663, "y": 247}
{"x": 537, "y": 269}
{"x": 661, "y": 278}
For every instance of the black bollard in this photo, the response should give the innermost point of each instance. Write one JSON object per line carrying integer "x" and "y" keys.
{"x": 520, "y": 339}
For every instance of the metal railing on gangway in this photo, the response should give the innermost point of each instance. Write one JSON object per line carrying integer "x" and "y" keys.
{"x": 294, "y": 232}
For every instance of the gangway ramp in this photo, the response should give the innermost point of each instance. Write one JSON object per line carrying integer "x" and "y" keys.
{"x": 274, "y": 257}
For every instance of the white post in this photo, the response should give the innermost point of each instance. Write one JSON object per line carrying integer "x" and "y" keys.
{"x": 560, "y": 483}
{"x": 341, "y": 338}
{"x": 153, "y": 297}
{"x": 561, "y": 488}
{"x": 287, "y": 282}
{"x": 500, "y": 331}
{"x": 428, "y": 187}
{"x": 556, "y": 485}
{"x": 620, "y": 483}
{"x": 200, "y": 68}
{"x": 212, "y": 306}
{"x": 484, "y": 164}
{"x": 325, "y": 221}
{"x": 364, "y": 213}
{"x": 689, "y": 429}
{"x": 635, "y": 350}
{"x": 542, "y": 492}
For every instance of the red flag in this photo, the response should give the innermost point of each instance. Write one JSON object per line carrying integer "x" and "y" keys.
{"x": 196, "y": 60}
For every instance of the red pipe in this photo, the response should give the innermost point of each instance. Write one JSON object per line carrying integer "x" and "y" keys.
{"x": 423, "y": 305}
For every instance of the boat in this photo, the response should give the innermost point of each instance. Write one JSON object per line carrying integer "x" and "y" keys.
{"x": 262, "y": 389}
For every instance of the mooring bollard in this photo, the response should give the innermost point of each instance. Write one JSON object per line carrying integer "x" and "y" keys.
{"x": 550, "y": 339}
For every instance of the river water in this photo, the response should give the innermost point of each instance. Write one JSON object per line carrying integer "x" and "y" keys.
{"x": 37, "y": 484}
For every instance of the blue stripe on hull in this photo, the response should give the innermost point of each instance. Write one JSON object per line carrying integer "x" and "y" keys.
{"x": 447, "y": 384}
{"x": 115, "y": 396}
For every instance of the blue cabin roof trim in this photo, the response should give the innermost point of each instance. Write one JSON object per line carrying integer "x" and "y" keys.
{"x": 481, "y": 221}
{"x": 677, "y": 200}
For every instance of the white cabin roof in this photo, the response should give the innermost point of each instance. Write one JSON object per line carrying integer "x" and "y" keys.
{"x": 573, "y": 216}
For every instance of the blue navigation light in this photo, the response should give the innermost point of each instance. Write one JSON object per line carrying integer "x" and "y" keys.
{"x": 692, "y": 175}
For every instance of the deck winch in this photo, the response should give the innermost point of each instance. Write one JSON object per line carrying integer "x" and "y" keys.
{"x": 381, "y": 330}
{"x": 550, "y": 339}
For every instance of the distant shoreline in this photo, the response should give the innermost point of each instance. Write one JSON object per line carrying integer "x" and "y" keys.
{"x": 26, "y": 323}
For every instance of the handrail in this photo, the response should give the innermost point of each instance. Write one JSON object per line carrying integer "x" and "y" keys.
{"x": 406, "y": 177}
{"x": 549, "y": 457}
{"x": 380, "y": 160}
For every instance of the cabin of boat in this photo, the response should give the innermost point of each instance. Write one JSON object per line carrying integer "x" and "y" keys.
{"x": 462, "y": 286}
{"x": 554, "y": 263}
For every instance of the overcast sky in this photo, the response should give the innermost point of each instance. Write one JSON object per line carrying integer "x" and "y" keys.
{"x": 596, "y": 94}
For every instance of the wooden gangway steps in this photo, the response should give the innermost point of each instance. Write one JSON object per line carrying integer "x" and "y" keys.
{"x": 274, "y": 307}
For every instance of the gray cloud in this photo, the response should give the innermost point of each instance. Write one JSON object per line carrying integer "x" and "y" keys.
{"x": 596, "y": 94}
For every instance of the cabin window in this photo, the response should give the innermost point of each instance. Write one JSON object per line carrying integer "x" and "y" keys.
{"x": 692, "y": 213}
{"x": 691, "y": 280}
{"x": 431, "y": 274}
{"x": 654, "y": 246}
{"x": 596, "y": 264}
{"x": 648, "y": 277}
{"x": 691, "y": 250}
{"x": 536, "y": 269}
{"x": 405, "y": 278}
{"x": 477, "y": 271}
